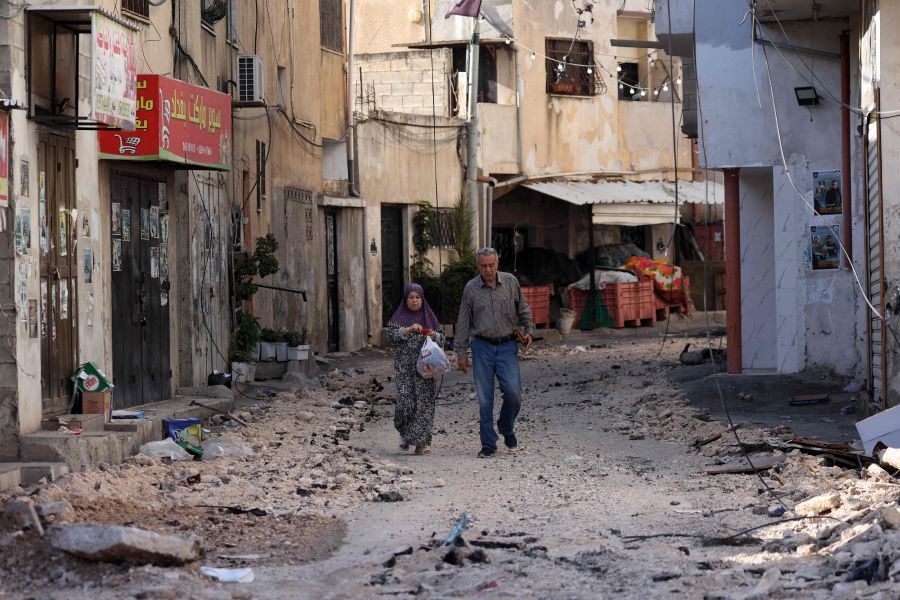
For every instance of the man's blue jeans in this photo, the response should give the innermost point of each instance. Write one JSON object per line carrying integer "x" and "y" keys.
{"x": 502, "y": 362}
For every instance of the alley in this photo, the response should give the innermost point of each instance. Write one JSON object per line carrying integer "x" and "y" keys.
{"x": 606, "y": 497}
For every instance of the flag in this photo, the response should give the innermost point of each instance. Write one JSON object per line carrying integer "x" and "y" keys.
{"x": 465, "y": 8}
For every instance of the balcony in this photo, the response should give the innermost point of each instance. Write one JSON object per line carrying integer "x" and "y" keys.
{"x": 499, "y": 152}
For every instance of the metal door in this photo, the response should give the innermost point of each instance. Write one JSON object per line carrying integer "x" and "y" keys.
{"x": 57, "y": 219}
{"x": 331, "y": 270}
{"x": 391, "y": 260}
{"x": 875, "y": 262}
{"x": 140, "y": 288}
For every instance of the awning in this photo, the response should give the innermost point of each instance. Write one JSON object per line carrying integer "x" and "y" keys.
{"x": 631, "y": 202}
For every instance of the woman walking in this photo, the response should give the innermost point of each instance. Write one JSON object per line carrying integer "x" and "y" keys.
{"x": 407, "y": 328}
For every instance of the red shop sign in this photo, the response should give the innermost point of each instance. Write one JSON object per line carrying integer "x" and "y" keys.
{"x": 175, "y": 122}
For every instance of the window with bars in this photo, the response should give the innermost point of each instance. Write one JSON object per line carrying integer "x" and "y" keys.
{"x": 571, "y": 70}
{"x": 140, "y": 8}
{"x": 331, "y": 24}
{"x": 260, "y": 173}
{"x": 442, "y": 224}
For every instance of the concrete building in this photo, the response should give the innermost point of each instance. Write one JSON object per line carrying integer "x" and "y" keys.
{"x": 565, "y": 120}
{"x": 769, "y": 112}
{"x": 117, "y": 246}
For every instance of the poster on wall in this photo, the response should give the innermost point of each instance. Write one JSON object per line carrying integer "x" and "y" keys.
{"x": 88, "y": 265}
{"x": 63, "y": 247}
{"x": 44, "y": 309}
{"x": 23, "y": 230}
{"x": 163, "y": 264}
{"x": 154, "y": 262}
{"x": 53, "y": 312}
{"x": 113, "y": 72}
{"x": 32, "y": 319}
{"x": 4, "y": 158}
{"x": 163, "y": 226}
{"x": 126, "y": 225}
{"x": 154, "y": 222}
{"x": 824, "y": 248}
{"x": 64, "y": 299}
{"x": 827, "y": 192}
{"x": 116, "y": 218}
{"x": 85, "y": 226}
{"x": 42, "y": 213}
{"x": 117, "y": 255}
{"x": 22, "y": 284}
{"x": 145, "y": 224}
{"x": 24, "y": 179}
{"x": 90, "y": 309}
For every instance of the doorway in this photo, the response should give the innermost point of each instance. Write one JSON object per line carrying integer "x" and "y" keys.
{"x": 391, "y": 260}
{"x": 140, "y": 290}
{"x": 58, "y": 269}
{"x": 331, "y": 270}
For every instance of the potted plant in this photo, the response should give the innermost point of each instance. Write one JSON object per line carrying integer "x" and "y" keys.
{"x": 298, "y": 348}
{"x": 281, "y": 346}
{"x": 245, "y": 341}
{"x": 268, "y": 339}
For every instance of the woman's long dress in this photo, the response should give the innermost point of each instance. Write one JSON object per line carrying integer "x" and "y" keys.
{"x": 414, "y": 411}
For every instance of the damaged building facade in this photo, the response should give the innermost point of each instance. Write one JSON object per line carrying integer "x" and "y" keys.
{"x": 118, "y": 245}
{"x": 574, "y": 134}
{"x": 785, "y": 84}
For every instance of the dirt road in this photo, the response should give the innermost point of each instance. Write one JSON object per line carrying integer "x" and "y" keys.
{"x": 606, "y": 453}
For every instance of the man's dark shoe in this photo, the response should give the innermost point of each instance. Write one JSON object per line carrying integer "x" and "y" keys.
{"x": 486, "y": 452}
{"x": 511, "y": 442}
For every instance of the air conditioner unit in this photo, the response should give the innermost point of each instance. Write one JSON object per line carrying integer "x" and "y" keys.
{"x": 249, "y": 78}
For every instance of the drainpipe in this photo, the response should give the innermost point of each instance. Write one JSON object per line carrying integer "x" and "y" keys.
{"x": 508, "y": 182}
{"x": 845, "y": 147}
{"x": 489, "y": 209}
{"x": 519, "y": 151}
{"x": 733, "y": 269}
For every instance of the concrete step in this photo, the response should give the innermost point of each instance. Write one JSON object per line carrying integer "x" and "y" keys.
{"x": 78, "y": 451}
{"x": 34, "y": 472}
{"x": 10, "y": 477}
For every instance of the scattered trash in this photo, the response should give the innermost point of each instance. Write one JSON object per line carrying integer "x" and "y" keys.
{"x": 225, "y": 446}
{"x": 67, "y": 431}
{"x": 244, "y": 575}
{"x": 760, "y": 463}
{"x": 849, "y": 409}
{"x": 166, "y": 448}
{"x": 882, "y": 427}
{"x": 776, "y": 511}
{"x": 488, "y": 585}
{"x": 871, "y": 571}
{"x": 461, "y": 525}
{"x": 187, "y": 433}
{"x": 127, "y": 414}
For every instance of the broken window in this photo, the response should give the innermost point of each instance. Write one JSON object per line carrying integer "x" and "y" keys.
{"x": 331, "y": 25}
{"x": 571, "y": 70}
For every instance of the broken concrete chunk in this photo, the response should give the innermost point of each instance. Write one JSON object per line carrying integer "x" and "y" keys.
{"x": 877, "y": 473}
{"x": 890, "y": 457}
{"x": 115, "y": 543}
{"x": 22, "y": 509}
{"x": 891, "y": 516}
{"x": 305, "y": 416}
{"x": 818, "y": 505}
{"x": 60, "y": 510}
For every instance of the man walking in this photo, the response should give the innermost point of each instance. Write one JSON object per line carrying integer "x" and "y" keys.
{"x": 491, "y": 311}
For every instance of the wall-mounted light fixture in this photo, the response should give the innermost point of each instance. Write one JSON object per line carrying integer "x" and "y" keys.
{"x": 806, "y": 96}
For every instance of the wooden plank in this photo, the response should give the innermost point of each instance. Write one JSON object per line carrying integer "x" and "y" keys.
{"x": 760, "y": 463}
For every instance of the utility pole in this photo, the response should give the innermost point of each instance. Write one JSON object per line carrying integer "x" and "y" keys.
{"x": 472, "y": 130}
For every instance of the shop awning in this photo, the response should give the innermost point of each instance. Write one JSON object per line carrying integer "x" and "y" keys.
{"x": 631, "y": 202}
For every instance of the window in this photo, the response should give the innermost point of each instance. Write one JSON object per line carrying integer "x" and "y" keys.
{"x": 630, "y": 82}
{"x": 331, "y": 23}
{"x": 283, "y": 91}
{"x": 571, "y": 70}
{"x": 443, "y": 228}
{"x": 141, "y": 8}
{"x": 260, "y": 173}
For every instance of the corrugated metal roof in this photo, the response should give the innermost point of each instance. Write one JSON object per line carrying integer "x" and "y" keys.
{"x": 582, "y": 193}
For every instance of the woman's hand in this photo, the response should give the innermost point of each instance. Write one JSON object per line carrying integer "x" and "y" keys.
{"x": 414, "y": 328}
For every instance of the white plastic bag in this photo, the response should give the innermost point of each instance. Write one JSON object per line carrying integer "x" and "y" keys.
{"x": 166, "y": 448}
{"x": 432, "y": 360}
{"x": 225, "y": 446}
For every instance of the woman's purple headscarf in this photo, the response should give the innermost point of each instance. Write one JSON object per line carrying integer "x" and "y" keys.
{"x": 424, "y": 316}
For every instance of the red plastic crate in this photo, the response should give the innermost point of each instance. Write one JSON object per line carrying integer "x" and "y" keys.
{"x": 626, "y": 302}
{"x": 538, "y": 299}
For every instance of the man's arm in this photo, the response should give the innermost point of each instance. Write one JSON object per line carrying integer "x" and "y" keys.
{"x": 462, "y": 332}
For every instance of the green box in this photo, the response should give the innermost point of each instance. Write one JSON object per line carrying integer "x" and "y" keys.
{"x": 89, "y": 378}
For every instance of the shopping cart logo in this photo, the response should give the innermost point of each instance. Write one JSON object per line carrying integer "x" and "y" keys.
{"x": 128, "y": 145}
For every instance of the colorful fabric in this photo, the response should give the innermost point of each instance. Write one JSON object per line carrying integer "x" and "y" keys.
{"x": 666, "y": 278}
{"x": 416, "y": 397}
{"x": 406, "y": 318}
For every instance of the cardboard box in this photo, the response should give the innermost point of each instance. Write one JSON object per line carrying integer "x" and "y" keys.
{"x": 97, "y": 403}
{"x": 883, "y": 427}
